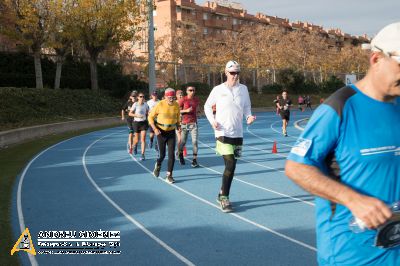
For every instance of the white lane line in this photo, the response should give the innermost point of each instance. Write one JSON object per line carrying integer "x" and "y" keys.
{"x": 20, "y": 212}
{"x": 297, "y": 124}
{"x": 233, "y": 214}
{"x": 257, "y": 186}
{"x": 251, "y": 184}
{"x": 21, "y": 219}
{"x": 267, "y": 139}
{"x": 273, "y": 129}
{"x": 123, "y": 212}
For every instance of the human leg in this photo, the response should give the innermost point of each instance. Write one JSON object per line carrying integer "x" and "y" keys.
{"x": 171, "y": 157}
{"x": 194, "y": 134}
{"x": 181, "y": 145}
{"x": 143, "y": 142}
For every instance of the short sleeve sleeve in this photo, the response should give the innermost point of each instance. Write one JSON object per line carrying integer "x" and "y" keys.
{"x": 318, "y": 139}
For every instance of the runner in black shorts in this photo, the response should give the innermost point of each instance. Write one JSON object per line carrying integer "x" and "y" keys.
{"x": 284, "y": 110}
{"x": 129, "y": 120}
{"x": 139, "y": 112}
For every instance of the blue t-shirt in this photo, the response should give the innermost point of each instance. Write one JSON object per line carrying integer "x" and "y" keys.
{"x": 357, "y": 139}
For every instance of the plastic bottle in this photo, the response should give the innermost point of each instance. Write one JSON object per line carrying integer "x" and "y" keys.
{"x": 357, "y": 225}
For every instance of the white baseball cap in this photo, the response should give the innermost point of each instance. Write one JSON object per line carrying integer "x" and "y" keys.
{"x": 387, "y": 40}
{"x": 232, "y": 66}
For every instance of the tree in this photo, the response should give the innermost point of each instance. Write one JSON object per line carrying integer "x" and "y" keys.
{"x": 104, "y": 24}
{"x": 26, "y": 21}
{"x": 60, "y": 33}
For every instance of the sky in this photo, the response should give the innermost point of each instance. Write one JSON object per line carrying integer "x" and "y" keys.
{"x": 356, "y": 17}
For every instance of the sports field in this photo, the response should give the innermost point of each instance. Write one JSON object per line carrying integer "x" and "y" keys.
{"x": 91, "y": 183}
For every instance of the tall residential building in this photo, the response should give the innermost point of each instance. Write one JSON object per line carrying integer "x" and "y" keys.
{"x": 219, "y": 16}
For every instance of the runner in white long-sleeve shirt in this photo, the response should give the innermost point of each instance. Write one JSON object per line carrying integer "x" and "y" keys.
{"x": 232, "y": 102}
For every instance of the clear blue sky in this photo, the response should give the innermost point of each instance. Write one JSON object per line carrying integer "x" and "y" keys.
{"x": 352, "y": 16}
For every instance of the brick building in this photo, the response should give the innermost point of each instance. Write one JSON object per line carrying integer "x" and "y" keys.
{"x": 215, "y": 17}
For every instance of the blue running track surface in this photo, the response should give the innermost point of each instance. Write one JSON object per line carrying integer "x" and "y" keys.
{"x": 91, "y": 183}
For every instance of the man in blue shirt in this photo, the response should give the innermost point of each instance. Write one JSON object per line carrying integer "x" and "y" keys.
{"x": 349, "y": 157}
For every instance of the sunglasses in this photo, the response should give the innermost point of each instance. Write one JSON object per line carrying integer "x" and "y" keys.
{"x": 395, "y": 57}
{"x": 234, "y": 73}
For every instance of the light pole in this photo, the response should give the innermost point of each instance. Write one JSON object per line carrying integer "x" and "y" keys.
{"x": 152, "y": 63}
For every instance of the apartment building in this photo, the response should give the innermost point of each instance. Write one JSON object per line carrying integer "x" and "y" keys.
{"x": 216, "y": 17}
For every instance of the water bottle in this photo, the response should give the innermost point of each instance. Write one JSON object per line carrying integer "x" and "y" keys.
{"x": 357, "y": 225}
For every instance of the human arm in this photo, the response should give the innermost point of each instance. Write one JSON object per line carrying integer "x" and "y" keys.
{"x": 122, "y": 115}
{"x": 132, "y": 111}
{"x": 247, "y": 108}
{"x": 373, "y": 212}
{"x": 151, "y": 118}
{"x": 211, "y": 100}
{"x": 178, "y": 120}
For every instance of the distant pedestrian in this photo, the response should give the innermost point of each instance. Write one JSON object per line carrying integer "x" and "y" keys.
{"x": 284, "y": 105}
{"x": 300, "y": 102}
{"x": 308, "y": 102}
{"x": 152, "y": 103}
{"x": 129, "y": 120}
{"x": 179, "y": 96}
{"x": 139, "y": 112}
{"x": 276, "y": 101}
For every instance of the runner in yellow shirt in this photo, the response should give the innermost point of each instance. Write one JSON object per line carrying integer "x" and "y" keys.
{"x": 164, "y": 118}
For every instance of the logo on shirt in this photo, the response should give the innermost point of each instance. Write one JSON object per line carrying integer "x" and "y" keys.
{"x": 301, "y": 147}
{"x": 380, "y": 150}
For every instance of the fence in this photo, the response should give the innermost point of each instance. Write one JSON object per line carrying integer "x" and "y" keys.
{"x": 76, "y": 73}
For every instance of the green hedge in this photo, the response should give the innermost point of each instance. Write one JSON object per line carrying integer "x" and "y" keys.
{"x": 26, "y": 107}
{"x": 17, "y": 70}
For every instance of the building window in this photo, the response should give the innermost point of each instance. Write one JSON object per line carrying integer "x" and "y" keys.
{"x": 205, "y": 31}
{"x": 225, "y": 18}
{"x": 234, "y": 21}
{"x": 205, "y": 16}
{"x": 178, "y": 9}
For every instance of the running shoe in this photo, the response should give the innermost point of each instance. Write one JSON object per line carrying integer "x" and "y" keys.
{"x": 135, "y": 149}
{"x": 224, "y": 203}
{"x": 156, "y": 171}
{"x": 194, "y": 163}
{"x": 181, "y": 159}
{"x": 285, "y": 133}
{"x": 142, "y": 158}
{"x": 169, "y": 179}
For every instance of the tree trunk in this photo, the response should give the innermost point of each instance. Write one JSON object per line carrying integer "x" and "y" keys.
{"x": 38, "y": 70}
{"x": 58, "y": 72}
{"x": 93, "y": 72}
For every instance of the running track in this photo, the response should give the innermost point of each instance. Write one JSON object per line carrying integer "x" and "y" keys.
{"x": 90, "y": 182}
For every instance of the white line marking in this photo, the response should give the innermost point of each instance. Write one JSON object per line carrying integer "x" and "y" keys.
{"x": 259, "y": 187}
{"x": 233, "y": 214}
{"x": 254, "y": 185}
{"x": 21, "y": 219}
{"x": 127, "y": 216}
{"x": 267, "y": 139}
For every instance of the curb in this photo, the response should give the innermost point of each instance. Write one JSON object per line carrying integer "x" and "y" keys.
{"x": 19, "y": 135}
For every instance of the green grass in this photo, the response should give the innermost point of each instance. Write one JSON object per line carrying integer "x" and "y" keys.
{"x": 13, "y": 159}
